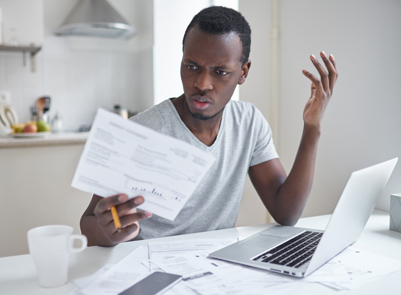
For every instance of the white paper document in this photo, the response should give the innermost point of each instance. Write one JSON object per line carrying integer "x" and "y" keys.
{"x": 121, "y": 276}
{"x": 358, "y": 268}
{"x": 211, "y": 276}
{"x": 121, "y": 156}
{"x": 198, "y": 246}
{"x": 201, "y": 275}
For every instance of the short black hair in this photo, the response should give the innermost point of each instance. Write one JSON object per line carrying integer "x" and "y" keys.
{"x": 219, "y": 20}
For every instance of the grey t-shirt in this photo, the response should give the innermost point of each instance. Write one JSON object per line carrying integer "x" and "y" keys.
{"x": 244, "y": 140}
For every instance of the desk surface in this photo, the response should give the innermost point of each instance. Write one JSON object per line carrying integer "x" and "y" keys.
{"x": 18, "y": 274}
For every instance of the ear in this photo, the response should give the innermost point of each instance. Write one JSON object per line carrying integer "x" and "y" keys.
{"x": 245, "y": 71}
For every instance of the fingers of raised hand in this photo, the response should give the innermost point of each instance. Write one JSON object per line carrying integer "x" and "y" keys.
{"x": 315, "y": 80}
{"x": 328, "y": 75}
{"x": 324, "y": 76}
{"x": 331, "y": 68}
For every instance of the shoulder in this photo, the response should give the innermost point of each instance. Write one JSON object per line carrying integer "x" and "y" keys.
{"x": 155, "y": 116}
{"x": 243, "y": 111}
{"x": 247, "y": 118}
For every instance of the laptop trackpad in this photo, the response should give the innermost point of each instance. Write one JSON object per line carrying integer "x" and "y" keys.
{"x": 263, "y": 241}
{"x": 248, "y": 248}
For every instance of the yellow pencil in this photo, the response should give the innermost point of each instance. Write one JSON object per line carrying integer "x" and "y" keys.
{"x": 116, "y": 219}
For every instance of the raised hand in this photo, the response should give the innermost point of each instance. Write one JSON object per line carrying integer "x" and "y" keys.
{"x": 321, "y": 89}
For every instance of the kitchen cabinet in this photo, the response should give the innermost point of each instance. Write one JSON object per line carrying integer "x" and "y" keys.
{"x": 35, "y": 187}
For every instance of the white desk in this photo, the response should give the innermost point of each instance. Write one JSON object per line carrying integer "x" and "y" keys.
{"x": 18, "y": 274}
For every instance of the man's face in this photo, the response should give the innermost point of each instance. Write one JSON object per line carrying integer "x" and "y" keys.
{"x": 211, "y": 68}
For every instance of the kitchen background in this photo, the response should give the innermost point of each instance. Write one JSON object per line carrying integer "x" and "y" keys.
{"x": 80, "y": 74}
{"x": 361, "y": 126}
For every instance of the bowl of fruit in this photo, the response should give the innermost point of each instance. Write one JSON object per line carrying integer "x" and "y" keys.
{"x": 38, "y": 128}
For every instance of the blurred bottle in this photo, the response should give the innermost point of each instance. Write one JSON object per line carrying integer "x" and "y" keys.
{"x": 57, "y": 123}
{"x": 120, "y": 111}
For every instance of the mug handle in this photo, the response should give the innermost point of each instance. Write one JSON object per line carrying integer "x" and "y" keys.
{"x": 84, "y": 243}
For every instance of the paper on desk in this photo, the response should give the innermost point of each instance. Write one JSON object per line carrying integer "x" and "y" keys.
{"x": 188, "y": 259}
{"x": 361, "y": 267}
{"x": 86, "y": 281}
{"x": 121, "y": 276}
{"x": 211, "y": 276}
{"x": 121, "y": 156}
{"x": 215, "y": 277}
{"x": 187, "y": 246}
{"x": 158, "y": 250}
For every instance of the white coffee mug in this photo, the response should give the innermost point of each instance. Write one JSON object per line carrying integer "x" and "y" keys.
{"x": 50, "y": 247}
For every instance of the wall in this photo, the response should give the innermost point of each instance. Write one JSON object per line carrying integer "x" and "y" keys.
{"x": 79, "y": 73}
{"x": 362, "y": 123}
{"x": 168, "y": 34}
{"x": 22, "y": 25}
{"x": 256, "y": 90}
{"x": 25, "y": 27}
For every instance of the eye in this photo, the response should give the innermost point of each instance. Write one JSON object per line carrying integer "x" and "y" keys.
{"x": 221, "y": 73}
{"x": 191, "y": 67}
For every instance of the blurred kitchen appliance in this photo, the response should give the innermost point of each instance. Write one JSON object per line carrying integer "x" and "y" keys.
{"x": 120, "y": 111}
{"x": 8, "y": 118}
{"x": 95, "y": 18}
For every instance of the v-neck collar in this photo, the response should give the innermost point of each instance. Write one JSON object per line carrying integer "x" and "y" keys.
{"x": 194, "y": 139}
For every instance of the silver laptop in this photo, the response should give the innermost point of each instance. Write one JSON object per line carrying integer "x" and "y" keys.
{"x": 300, "y": 251}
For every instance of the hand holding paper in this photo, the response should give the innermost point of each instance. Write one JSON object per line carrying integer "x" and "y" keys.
{"x": 121, "y": 156}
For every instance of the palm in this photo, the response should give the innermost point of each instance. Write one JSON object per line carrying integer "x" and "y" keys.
{"x": 315, "y": 107}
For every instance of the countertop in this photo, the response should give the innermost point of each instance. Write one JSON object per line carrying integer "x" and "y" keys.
{"x": 52, "y": 139}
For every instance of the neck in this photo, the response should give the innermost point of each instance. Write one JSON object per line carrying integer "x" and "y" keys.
{"x": 205, "y": 130}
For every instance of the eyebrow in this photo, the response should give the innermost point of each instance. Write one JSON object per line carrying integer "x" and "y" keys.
{"x": 222, "y": 68}
{"x": 225, "y": 68}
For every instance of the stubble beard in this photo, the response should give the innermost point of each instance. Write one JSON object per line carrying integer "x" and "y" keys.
{"x": 200, "y": 116}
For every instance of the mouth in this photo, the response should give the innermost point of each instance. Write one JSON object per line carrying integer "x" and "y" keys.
{"x": 201, "y": 103}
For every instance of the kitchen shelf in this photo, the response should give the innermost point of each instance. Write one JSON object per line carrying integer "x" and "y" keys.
{"x": 32, "y": 50}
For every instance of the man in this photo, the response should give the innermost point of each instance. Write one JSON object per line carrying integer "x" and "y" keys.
{"x": 216, "y": 49}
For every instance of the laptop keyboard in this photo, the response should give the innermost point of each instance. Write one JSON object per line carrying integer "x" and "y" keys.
{"x": 294, "y": 252}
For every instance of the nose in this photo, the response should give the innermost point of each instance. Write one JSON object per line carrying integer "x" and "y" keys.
{"x": 204, "y": 81}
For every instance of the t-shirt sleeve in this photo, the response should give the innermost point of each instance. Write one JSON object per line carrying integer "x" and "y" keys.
{"x": 151, "y": 118}
{"x": 264, "y": 147}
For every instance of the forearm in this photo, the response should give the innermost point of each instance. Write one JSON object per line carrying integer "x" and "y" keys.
{"x": 285, "y": 197}
{"x": 293, "y": 194}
